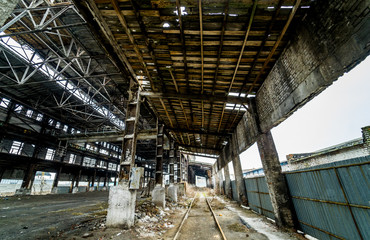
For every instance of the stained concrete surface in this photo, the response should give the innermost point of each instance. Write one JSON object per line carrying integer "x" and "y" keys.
{"x": 48, "y": 216}
{"x": 82, "y": 216}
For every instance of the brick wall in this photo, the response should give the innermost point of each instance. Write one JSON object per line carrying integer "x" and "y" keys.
{"x": 331, "y": 40}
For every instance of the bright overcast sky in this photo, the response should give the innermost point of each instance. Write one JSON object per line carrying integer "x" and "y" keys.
{"x": 334, "y": 116}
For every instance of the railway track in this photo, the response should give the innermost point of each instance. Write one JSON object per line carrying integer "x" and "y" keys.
{"x": 203, "y": 215}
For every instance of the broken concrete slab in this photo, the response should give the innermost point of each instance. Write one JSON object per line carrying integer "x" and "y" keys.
{"x": 121, "y": 206}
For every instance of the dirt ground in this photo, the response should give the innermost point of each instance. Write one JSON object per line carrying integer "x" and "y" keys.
{"x": 82, "y": 216}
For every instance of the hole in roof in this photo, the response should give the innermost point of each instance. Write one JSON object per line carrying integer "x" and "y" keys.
{"x": 166, "y": 25}
{"x": 183, "y": 11}
{"x": 236, "y": 94}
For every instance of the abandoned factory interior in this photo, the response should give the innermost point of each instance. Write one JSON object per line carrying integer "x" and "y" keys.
{"x": 184, "y": 119}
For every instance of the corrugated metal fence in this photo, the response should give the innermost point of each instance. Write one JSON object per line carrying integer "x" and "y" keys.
{"x": 233, "y": 190}
{"x": 258, "y": 196}
{"x": 332, "y": 201}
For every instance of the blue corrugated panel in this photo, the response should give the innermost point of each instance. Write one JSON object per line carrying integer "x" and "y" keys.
{"x": 258, "y": 196}
{"x": 319, "y": 197}
{"x": 234, "y": 192}
{"x": 253, "y": 199}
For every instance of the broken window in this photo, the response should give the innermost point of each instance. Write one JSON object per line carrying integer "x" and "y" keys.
{"x": 16, "y": 148}
{"x": 50, "y": 154}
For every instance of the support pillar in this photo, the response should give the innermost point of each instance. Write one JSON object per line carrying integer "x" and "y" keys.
{"x": 158, "y": 194}
{"x": 2, "y": 171}
{"x": 122, "y": 200}
{"x": 228, "y": 192}
{"x": 172, "y": 189}
{"x": 159, "y": 157}
{"x": 221, "y": 182}
{"x": 56, "y": 180}
{"x": 27, "y": 180}
{"x": 77, "y": 181}
{"x": 215, "y": 179}
{"x": 275, "y": 180}
{"x": 238, "y": 172}
{"x": 92, "y": 187}
{"x": 179, "y": 167}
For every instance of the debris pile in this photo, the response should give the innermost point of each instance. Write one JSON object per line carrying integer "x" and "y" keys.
{"x": 153, "y": 221}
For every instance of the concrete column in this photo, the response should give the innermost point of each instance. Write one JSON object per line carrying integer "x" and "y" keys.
{"x": 56, "y": 179}
{"x": 228, "y": 192}
{"x": 105, "y": 179}
{"x": 216, "y": 180}
{"x": 78, "y": 178}
{"x": 28, "y": 177}
{"x": 275, "y": 180}
{"x": 122, "y": 200}
{"x": 93, "y": 179}
{"x": 238, "y": 172}
{"x": 221, "y": 183}
{"x": 172, "y": 189}
{"x": 2, "y": 171}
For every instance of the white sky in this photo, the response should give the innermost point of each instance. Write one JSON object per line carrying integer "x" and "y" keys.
{"x": 334, "y": 116}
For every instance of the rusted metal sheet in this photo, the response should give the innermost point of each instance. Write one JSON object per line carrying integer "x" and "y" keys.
{"x": 135, "y": 177}
{"x": 332, "y": 201}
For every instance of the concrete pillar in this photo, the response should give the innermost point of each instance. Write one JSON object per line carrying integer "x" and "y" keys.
{"x": 2, "y": 171}
{"x": 238, "y": 172}
{"x": 56, "y": 180}
{"x": 228, "y": 192}
{"x": 105, "y": 179}
{"x": 78, "y": 178}
{"x": 216, "y": 180}
{"x": 122, "y": 200}
{"x": 93, "y": 180}
{"x": 121, "y": 206}
{"x": 275, "y": 180}
{"x": 221, "y": 183}
{"x": 28, "y": 177}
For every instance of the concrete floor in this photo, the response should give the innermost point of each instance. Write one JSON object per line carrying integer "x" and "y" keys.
{"x": 47, "y": 216}
{"x": 71, "y": 216}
